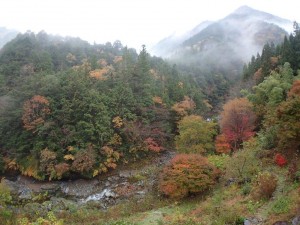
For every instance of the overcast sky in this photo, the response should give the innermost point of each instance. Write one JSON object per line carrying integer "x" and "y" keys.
{"x": 133, "y": 22}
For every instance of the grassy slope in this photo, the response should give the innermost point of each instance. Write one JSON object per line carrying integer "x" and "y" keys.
{"x": 225, "y": 204}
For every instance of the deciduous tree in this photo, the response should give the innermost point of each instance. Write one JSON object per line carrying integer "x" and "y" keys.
{"x": 195, "y": 135}
{"x": 187, "y": 174}
{"x": 237, "y": 121}
{"x": 35, "y": 111}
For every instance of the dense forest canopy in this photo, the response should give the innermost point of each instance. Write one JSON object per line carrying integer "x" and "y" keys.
{"x": 70, "y": 110}
{"x": 68, "y": 107}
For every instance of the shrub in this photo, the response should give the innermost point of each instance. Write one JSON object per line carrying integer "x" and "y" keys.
{"x": 280, "y": 160}
{"x": 218, "y": 161}
{"x": 244, "y": 164}
{"x": 281, "y": 205}
{"x": 6, "y": 214}
{"x": 84, "y": 161}
{"x": 265, "y": 186}
{"x": 187, "y": 174}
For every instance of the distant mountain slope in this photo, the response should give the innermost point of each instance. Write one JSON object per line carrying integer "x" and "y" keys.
{"x": 167, "y": 45}
{"x": 227, "y": 43}
{"x": 6, "y": 35}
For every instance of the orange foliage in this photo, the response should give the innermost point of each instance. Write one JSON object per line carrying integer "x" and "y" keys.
{"x": 295, "y": 89}
{"x": 157, "y": 100}
{"x": 61, "y": 169}
{"x": 112, "y": 157}
{"x": 10, "y": 164}
{"x": 222, "y": 145}
{"x": 35, "y": 111}
{"x": 99, "y": 74}
{"x": 187, "y": 174}
{"x": 184, "y": 107}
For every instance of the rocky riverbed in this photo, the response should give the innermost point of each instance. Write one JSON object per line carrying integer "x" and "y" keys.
{"x": 103, "y": 191}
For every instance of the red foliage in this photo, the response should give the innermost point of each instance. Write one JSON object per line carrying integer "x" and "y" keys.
{"x": 237, "y": 122}
{"x": 280, "y": 160}
{"x": 152, "y": 145}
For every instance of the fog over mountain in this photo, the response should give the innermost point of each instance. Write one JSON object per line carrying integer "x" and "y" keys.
{"x": 240, "y": 34}
{"x": 6, "y": 35}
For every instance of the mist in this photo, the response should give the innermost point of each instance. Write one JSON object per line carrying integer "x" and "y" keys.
{"x": 225, "y": 45}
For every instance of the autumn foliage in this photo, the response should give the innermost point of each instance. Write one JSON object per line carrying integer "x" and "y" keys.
{"x": 237, "y": 121}
{"x": 295, "y": 90}
{"x": 184, "y": 107}
{"x": 287, "y": 122}
{"x": 222, "y": 145}
{"x": 152, "y": 145}
{"x": 84, "y": 161}
{"x": 280, "y": 160}
{"x": 187, "y": 174}
{"x": 35, "y": 111}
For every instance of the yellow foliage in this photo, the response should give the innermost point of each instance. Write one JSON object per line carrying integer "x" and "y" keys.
{"x": 111, "y": 165}
{"x": 10, "y": 164}
{"x": 84, "y": 67}
{"x": 70, "y": 148}
{"x": 102, "y": 168}
{"x": 95, "y": 173}
{"x": 71, "y": 58}
{"x": 31, "y": 170}
{"x": 180, "y": 84}
{"x": 157, "y": 100}
{"x": 115, "y": 140}
{"x": 154, "y": 73}
{"x": 111, "y": 158}
{"x": 69, "y": 157}
{"x": 206, "y": 103}
{"x": 118, "y": 122}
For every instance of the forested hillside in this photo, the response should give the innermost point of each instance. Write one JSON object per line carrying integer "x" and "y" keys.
{"x": 152, "y": 137}
{"x": 68, "y": 107}
{"x": 213, "y": 53}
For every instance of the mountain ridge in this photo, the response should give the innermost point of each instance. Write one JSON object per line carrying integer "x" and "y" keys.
{"x": 238, "y": 27}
